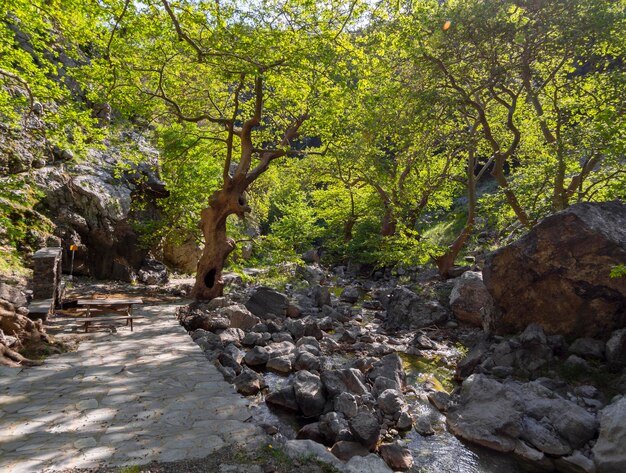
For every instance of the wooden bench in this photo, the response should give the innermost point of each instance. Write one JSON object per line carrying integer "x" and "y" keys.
{"x": 109, "y": 318}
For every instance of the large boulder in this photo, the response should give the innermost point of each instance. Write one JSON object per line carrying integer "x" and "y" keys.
{"x": 470, "y": 300}
{"x": 557, "y": 275}
{"x": 407, "y": 310}
{"x": 609, "y": 451}
{"x": 511, "y": 416}
{"x": 309, "y": 392}
{"x": 265, "y": 301}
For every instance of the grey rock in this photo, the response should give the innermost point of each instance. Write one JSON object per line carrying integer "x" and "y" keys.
{"x": 307, "y": 361}
{"x": 309, "y": 392}
{"x": 321, "y": 296}
{"x": 391, "y": 402}
{"x": 350, "y": 295}
{"x": 346, "y": 404}
{"x": 266, "y": 301}
{"x": 588, "y": 348}
{"x": 406, "y": 310}
{"x": 369, "y": 464}
{"x": 240, "y": 317}
{"x": 366, "y": 429}
{"x": 284, "y": 398}
{"x": 258, "y": 356}
{"x": 348, "y": 380}
{"x": 345, "y": 450}
{"x": 335, "y": 427}
{"x": 249, "y": 382}
{"x": 300, "y": 449}
{"x": 609, "y": 453}
{"x": 389, "y": 366}
{"x": 281, "y": 364}
{"x": 616, "y": 348}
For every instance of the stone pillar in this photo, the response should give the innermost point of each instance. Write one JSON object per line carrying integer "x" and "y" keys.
{"x": 47, "y": 274}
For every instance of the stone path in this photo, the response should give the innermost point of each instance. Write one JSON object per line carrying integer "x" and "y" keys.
{"x": 121, "y": 399}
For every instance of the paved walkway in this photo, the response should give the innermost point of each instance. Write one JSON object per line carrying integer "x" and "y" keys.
{"x": 121, "y": 399}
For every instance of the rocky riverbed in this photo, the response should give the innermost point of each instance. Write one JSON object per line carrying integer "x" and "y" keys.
{"x": 381, "y": 366}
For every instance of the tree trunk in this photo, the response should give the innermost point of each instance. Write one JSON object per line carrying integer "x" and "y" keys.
{"x": 511, "y": 198}
{"x": 217, "y": 246}
{"x": 347, "y": 228}
{"x": 388, "y": 225}
{"x": 446, "y": 261}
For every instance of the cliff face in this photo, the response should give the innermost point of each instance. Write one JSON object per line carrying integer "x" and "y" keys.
{"x": 89, "y": 201}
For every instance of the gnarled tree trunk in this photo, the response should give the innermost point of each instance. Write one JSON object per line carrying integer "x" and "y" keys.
{"x": 230, "y": 200}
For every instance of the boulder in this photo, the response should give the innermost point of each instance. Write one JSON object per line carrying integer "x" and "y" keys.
{"x": 389, "y": 366}
{"x": 231, "y": 335}
{"x": 249, "y": 382}
{"x": 309, "y": 393}
{"x": 239, "y": 316}
{"x": 153, "y": 272}
{"x": 616, "y": 349}
{"x": 350, "y": 295}
{"x": 366, "y": 429}
{"x": 264, "y": 301}
{"x": 281, "y": 364}
{"x": 312, "y": 432}
{"x": 396, "y": 456}
{"x": 335, "y": 427}
{"x": 346, "y": 404}
{"x": 12, "y": 294}
{"x": 307, "y": 361}
{"x": 499, "y": 415}
{"x": 557, "y": 275}
{"x": 344, "y": 380}
{"x": 258, "y": 356}
{"x": 369, "y": 464}
{"x": 609, "y": 453}
{"x": 588, "y": 348}
{"x": 321, "y": 296}
{"x": 284, "y": 398}
{"x": 408, "y": 311}
{"x": 300, "y": 449}
{"x": 345, "y": 450}
{"x": 470, "y": 300}
{"x": 391, "y": 402}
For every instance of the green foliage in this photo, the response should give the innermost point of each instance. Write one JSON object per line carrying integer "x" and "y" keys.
{"x": 618, "y": 271}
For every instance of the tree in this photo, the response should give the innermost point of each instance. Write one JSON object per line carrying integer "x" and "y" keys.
{"x": 246, "y": 78}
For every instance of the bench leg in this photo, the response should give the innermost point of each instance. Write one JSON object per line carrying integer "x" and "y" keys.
{"x": 131, "y": 324}
{"x": 86, "y": 327}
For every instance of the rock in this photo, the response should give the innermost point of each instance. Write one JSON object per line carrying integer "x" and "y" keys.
{"x": 335, "y": 427}
{"x": 346, "y": 404}
{"x": 281, "y": 364}
{"x": 440, "y": 400}
{"x": 369, "y": 464}
{"x": 264, "y": 301}
{"x": 300, "y": 449}
{"x": 228, "y": 361}
{"x": 533, "y": 336}
{"x": 391, "y": 402}
{"x": 405, "y": 421}
{"x": 249, "y": 382}
{"x": 293, "y": 311}
{"x": 251, "y": 339}
{"x": 345, "y": 450}
{"x": 311, "y": 256}
{"x": 183, "y": 256}
{"x": 389, "y": 366}
{"x": 285, "y": 398}
{"x": 311, "y": 273}
{"x": 321, "y": 296}
{"x": 470, "y": 300}
{"x": 496, "y": 415}
{"x": 231, "y": 335}
{"x": 296, "y": 328}
{"x": 218, "y": 303}
{"x": 312, "y": 341}
{"x": 407, "y": 311}
{"x": 576, "y": 364}
{"x": 312, "y": 432}
{"x": 575, "y": 463}
{"x": 365, "y": 428}
{"x": 153, "y": 272}
{"x": 616, "y": 349}
{"x": 12, "y": 294}
{"x": 383, "y": 383}
{"x": 396, "y": 456}
{"x": 240, "y": 317}
{"x": 350, "y": 295}
{"x": 556, "y": 275}
{"x": 609, "y": 453}
{"x": 258, "y": 356}
{"x": 348, "y": 380}
{"x": 588, "y": 348}
{"x": 307, "y": 361}
{"x": 277, "y": 349}
{"x": 309, "y": 392}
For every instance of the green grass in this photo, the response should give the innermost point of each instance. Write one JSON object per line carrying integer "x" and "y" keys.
{"x": 444, "y": 232}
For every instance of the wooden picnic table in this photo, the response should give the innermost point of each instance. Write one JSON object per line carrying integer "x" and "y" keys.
{"x": 104, "y": 310}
